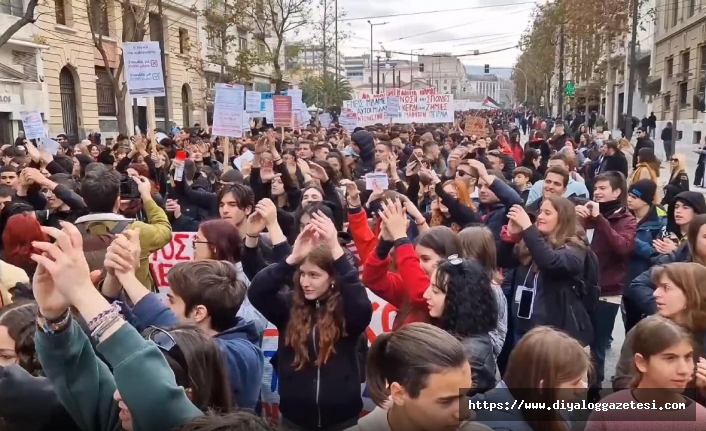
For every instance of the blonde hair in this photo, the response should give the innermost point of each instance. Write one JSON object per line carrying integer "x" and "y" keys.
{"x": 681, "y": 165}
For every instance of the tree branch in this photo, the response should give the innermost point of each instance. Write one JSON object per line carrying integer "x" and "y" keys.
{"x": 27, "y": 18}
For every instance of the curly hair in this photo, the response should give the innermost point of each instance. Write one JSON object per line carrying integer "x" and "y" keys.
{"x": 326, "y": 313}
{"x": 469, "y": 307}
{"x": 464, "y": 197}
{"x": 20, "y": 320}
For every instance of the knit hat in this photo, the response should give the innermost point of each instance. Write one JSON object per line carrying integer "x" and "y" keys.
{"x": 644, "y": 189}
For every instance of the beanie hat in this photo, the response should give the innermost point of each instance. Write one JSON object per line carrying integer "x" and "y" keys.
{"x": 643, "y": 189}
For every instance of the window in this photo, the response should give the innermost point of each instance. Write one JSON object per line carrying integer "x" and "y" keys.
{"x": 155, "y": 22}
{"x": 214, "y": 39}
{"x": 183, "y": 41}
{"x": 675, "y": 12}
{"x": 12, "y": 7}
{"x": 701, "y": 93}
{"x": 99, "y": 15}
{"x": 683, "y": 90}
{"x": 60, "y": 11}
{"x": 692, "y": 9}
{"x": 670, "y": 66}
{"x": 242, "y": 41}
{"x": 160, "y": 106}
{"x": 211, "y": 80}
{"x": 685, "y": 58}
{"x": 105, "y": 93}
{"x": 445, "y": 88}
{"x": 260, "y": 48}
{"x": 666, "y": 102}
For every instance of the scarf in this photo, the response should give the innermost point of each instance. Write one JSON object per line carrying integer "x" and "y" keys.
{"x": 608, "y": 208}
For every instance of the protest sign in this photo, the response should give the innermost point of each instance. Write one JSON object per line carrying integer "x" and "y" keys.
{"x": 369, "y": 111}
{"x": 49, "y": 145}
{"x": 32, "y": 124}
{"x": 228, "y": 111}
{"x": 348, "y": 119}
{"x": 296, "y": 95}
{"x": 325, "y": 120}
{"x": 282, "y": 107}
{"x": 252, "y": 101}
{"x": 180, "y": 249}
{"x": 475, "y": 126}
{"x": 143, "y": 67}
{"x": 269, "y": 111}
{"x": 393, "y": 106}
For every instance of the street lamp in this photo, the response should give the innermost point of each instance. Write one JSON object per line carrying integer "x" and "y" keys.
{"x": 525, "y": 75}
{"x": 371, "y": 51}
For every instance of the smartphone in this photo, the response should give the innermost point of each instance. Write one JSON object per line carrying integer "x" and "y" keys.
{"x": 525, "y": 303}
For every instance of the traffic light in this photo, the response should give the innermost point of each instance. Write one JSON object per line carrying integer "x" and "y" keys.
{"x": 486, "y": 69}
{"x": 421, "y": 67}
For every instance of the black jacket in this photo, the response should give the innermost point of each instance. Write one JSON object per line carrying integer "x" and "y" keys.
{"x": 316, "y": 397}
{"x": 644, "y": 142}
{"x": 676, "y": 185}
{"x": 366, "y": 144}
{"x": 29, "y": 403}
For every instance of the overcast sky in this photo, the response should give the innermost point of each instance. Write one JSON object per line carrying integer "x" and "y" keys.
{"x": 491, "y": 25}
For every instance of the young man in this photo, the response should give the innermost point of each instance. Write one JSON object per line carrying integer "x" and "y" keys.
{"x": 555, "y": 182}
{"x": 206, "y": 293}
{"x": 613, "y": 242}
{"x": 573, "y": 188}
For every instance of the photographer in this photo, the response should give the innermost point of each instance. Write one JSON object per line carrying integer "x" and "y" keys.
{"x": 101, "y": 190}
{"x": 54, "y": 198}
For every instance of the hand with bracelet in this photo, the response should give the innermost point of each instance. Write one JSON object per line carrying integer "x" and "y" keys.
{"x": 63, "y": 279}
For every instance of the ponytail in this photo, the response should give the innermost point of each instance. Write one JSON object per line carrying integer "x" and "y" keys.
{"x": 376, "y": 370}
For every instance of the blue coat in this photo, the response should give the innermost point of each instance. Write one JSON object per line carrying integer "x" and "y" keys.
{"x": 648, "y": 230}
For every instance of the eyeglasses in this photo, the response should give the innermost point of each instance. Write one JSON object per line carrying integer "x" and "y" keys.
{"x": 168, "y": 345}
{"x": 197, "y": 241}
{"x": 674, "y": 160}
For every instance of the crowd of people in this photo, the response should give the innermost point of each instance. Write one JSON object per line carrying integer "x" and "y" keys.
{"x": 508, "y": 265}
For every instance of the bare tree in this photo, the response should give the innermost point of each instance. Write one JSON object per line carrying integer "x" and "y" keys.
{"x": 27, "y": 18}
{"x": 134, "y": 18}
{"x": 273, "y": 22}
{"x": 326, "y": 37}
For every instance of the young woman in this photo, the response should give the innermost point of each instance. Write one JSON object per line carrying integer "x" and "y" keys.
{"x": 663, "y": 359}
{"x": 548, "y": 256}
{"x": 405, "y": 288}
{"x": 414, "y": 375}
{"x": 320, "y": 319}
{"x": 461, "y": 302}
{"x": 647, "y": 169}
{"x": 680, "y": 296}
{"x": 17, "y": 237}
{"x": 219, "y": 240}
{"x": 478, "y": 244}
{"x": 681, "y": 212}
{"x": 453, "y": 208}
{"x": 558, "y": 373}
{"x": 678, "y": 179}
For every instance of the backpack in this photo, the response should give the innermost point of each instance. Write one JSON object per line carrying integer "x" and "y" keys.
{"x": 96, "y": 241}
{"x": 587, "y": 287}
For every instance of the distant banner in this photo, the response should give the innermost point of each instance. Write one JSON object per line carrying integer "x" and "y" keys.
{"x": 415, "y": 106}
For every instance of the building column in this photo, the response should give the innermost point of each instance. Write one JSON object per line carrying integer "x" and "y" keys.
{"x": 609, "y": 96}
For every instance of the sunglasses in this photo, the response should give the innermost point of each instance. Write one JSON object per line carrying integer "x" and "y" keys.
{"x": 674, "y": 160}
{"x": 166, "y": 343}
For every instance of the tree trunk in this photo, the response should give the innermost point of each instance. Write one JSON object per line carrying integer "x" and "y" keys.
{"x": 122, "y": 114}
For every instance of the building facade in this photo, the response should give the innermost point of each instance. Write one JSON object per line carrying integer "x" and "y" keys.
{"x": 309, "y": 61}
{"x": 355, "y": 67}
{"x": 22, "y": 82}
{"x": 680, "y": 65}
{"x": 444, "y": 72}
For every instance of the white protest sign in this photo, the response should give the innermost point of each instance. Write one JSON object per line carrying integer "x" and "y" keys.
{"x": 393, "y": 106}
{"x": 247, "y": 156}
{"x": 325, "y": 120}
{"x": 143, "y": 67}
{"x": 369, "y": 111}
{"x": 348, "y": 119}
{"x": 33, "y": 124}
{"x": 228, "y": 111}
{"x": 50, "y": 145}
{"x": 252, "y": 101}
{"x": 246, "y": 124}
{"x": 269, "y": 110}
{"x": 296, "y": 95}
{"x": 303, "y": 117}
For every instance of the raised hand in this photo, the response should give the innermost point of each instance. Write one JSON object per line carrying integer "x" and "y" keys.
{"x": 318, "y": 172}
{"x": 352, "y": 193}
{"x": 326, "y": 229}
{"x": 394, "y": 217}
{"x": 268, "y": 211}
{"x": 307, "y": 240}
{"x": 519, "y": 216}
{"x": 123, "y": 254}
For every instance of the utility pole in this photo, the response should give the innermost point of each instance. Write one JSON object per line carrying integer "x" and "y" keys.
{"x": 393, "y": 75}
{"x": 167, "y": 87}
{"x": 336, "y": 44}
{"x": 378, "y": 80}
{"x": 560, "y": 101}
{"x": 631, "y": 73}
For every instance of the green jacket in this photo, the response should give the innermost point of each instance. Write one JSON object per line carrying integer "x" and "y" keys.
{"x": 85, "y": 385}
{"x": 153, "y": 235}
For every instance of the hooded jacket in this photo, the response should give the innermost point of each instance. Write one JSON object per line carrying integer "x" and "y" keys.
{"x": 695, "y": 200}
{"x": 366, "y": 145}
{"x": 648, "y": 229}
{"x": 242, "y": 357}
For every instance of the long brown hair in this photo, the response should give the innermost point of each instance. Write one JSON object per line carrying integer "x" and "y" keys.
{"x": 653, "y": 335}
{"x": 20, "y": 320}
{"x": 464, "y": 197}
{"x": 556, "y": 358}
{"x": 567, "y": 230}
{"x": 478, "y": 243}
{"x": 689, "y": 278}
{"x": 303, "y": 314}
{"x": 692, "y": 237}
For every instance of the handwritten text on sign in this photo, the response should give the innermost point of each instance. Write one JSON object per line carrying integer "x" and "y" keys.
{"x": 181, "y": 249}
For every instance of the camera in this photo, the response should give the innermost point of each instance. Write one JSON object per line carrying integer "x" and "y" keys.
{"x": 128, "y": 188}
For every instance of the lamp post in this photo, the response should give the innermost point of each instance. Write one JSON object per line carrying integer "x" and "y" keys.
{"x": 372, "y": 25}
{"x": 411, "y": 66}
{"x": 525, "y": 75}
